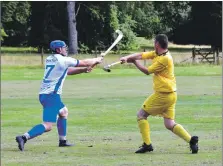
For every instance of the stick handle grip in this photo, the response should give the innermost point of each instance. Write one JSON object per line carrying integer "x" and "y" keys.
{"x": 115, "y": 63}
{"x": 101, "y": 55}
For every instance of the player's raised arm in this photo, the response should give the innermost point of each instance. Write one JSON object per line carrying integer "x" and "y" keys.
{"x": 77, "y": 70}
{"x": 71, "y": 62}
{"x": 131, "y": 57}
{"x": 90, "y": 62}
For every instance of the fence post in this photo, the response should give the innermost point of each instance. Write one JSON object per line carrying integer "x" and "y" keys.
{"x": 217, "y": 56}
{"x": 193, "y": 55}
{"x": 42, "y": 56}
{"x": 214, "y": 56}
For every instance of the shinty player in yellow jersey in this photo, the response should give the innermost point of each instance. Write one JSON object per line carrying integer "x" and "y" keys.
{"x": 162, "y": 102}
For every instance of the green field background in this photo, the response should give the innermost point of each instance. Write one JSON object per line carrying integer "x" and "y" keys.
{"x": 102, "y": 118}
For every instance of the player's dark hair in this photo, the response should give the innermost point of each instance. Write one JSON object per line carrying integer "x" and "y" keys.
{"x": 54, "y": 52}
{"x": 162, "y": 39}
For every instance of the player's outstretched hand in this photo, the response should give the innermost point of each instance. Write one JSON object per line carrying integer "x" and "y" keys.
{"x": 88, "y": 69}
{"x": 123, "y": 60}
{"x": 98, "y": 60}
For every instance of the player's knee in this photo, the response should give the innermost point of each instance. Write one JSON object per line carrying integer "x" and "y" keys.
{"x": 169, "y": 126}
{"x": 48, "y": 126}
{"x": 63, "y": 112}
{"x": 141, "y": 115}
{"x": 169, "y": 123}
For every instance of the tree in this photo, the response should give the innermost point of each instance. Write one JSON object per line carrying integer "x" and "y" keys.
{"x": 146, "y": 18}
{"x": 72, "y": 31}
{"x": 44, "y": 21}
{"x": 15, "y": 15}
{"x": 48, "y": 22}
{"x": 172, "y": 14}
{"x": 204, "y": 26}
{"x": 95, "y": 21}
{"x": 94, "y": 24}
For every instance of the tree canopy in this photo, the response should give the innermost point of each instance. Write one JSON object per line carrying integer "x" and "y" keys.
{"x": 14, "y": 19}
{"x": 36, "y": 23}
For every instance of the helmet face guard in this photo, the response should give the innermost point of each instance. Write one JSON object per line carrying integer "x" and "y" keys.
{"x": 58, "y": 44}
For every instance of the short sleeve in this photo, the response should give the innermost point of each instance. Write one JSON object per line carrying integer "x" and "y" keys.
{"x": 71, "y": 62}
{"x": 148, "y": 55}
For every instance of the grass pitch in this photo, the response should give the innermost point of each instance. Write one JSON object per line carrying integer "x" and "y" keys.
{"x": 102, "y": 119}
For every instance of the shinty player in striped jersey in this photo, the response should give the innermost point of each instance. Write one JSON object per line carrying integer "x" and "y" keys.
{"x": 57, "y": 67}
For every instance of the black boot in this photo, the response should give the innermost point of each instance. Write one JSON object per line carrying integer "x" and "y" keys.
{"x": 145, "y": 148}
{"x": 21, "y": 142}
{"x": 64, "y": 143}
{"x": 194, "y": 144}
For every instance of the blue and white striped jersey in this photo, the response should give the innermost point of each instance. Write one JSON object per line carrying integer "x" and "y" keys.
{"x": 55, "y": 73}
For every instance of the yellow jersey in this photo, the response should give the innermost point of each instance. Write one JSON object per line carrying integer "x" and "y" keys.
{"x": 163, "y": 69}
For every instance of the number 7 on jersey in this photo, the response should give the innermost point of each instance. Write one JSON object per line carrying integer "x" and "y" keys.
{"x": 49, "y": 68}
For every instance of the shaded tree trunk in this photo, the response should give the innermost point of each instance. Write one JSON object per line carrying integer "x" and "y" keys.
{"x": 72, "y": 31}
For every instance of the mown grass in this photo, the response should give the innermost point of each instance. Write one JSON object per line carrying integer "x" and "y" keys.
{"x": 36, "y": 72}
{"x": 18, "y": 50}
{"x": 102, "y": 114}
{"x": 102, "y": 119}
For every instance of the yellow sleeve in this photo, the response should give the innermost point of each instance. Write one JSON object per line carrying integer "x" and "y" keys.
{"x": 163, "y": 60}
{"x": 156, "y": 67}
{"x": 148, "y": 55}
